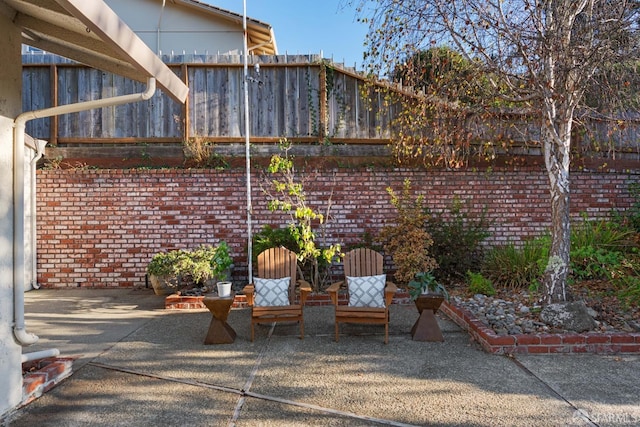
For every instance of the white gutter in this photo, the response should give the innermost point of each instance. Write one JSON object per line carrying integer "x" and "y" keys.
{"x": 158, "y": 28}
{"x": 40, "y": 145}
{"x": 19, "y": 331}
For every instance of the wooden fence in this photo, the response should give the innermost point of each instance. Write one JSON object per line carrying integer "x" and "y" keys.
{"x": 302, "y": 97}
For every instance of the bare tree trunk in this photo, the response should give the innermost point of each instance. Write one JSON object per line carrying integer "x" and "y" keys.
{"x": 557, "y": 141}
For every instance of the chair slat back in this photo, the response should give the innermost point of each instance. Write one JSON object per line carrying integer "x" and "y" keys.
{"x": 276, "y": 263}
{"x": 363, "y": 262}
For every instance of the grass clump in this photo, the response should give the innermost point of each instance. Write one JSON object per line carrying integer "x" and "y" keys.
{"x": 478, "y": 284}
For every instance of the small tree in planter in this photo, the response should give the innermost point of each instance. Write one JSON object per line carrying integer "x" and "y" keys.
{"x": 288, "y": 195}
{"x": 221, "y": 262}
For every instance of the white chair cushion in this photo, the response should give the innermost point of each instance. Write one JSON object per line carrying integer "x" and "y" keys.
{"x": 271, "y": 292}
{"x": 366, "y": 291}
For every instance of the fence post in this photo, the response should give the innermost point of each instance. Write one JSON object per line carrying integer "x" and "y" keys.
{"x": 53, "y": 121}
{"x": 322, "y": 100}
{"x": 186, "y": 123}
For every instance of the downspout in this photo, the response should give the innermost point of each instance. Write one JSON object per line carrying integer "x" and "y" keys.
{"x": 158, "y": 28}
{"x": 19, "y": 331}
{"x": 247, "y": 141}
{"x": 40, "y": 144}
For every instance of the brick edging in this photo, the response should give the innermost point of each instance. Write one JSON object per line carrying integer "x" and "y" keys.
{"x": 591, "y": 342}
{"x": 50, "y": 372}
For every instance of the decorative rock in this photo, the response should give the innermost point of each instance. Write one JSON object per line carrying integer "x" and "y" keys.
{"x": 572, "y": 316}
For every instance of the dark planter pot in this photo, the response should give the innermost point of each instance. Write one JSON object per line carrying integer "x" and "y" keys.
{"x": 426, "y": 327}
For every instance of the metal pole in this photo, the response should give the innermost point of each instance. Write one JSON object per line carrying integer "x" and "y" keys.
{"x": 247, "y": 141}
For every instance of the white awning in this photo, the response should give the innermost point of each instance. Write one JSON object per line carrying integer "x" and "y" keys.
{"x": 88, "y": 31}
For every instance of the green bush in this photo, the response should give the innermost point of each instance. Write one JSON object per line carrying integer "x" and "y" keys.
{"x": 589, "y": 263}
{"x": 602, "y": 234}
{"x": 601, "y": 249}
{"x": 633, "y": 214}
{"x": 629, "y": 290}
{"x": 513, "y": 267}
{"x": 190, "y": 267}
{"x": 269, "y": 237}
{"x": 478, "y": 284}
{"x": 456, "y": 240}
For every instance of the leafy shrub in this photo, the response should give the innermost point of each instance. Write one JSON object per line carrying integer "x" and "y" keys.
{"x": 478, "y": 284}
{"x": 456, "y": 240}
{"x": 513, "y": 267}
{"x": 629, "y": 290}
{"x": 270, "y": 237}
{"x": 589, "y": 263}
{"x": 191, "y": 267}
{"x": 601, "y": 234}
{"x": 633, "y": 214}
{"x": 406, "y": 240}
{"x": 601, "y": 249}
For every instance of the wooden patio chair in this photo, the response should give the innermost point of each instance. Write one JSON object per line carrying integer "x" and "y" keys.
{"x": 369, "y": 293}
{"x": 272, "y": 295}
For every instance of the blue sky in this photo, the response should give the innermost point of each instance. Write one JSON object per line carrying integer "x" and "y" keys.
{"x": 308, "y": 26}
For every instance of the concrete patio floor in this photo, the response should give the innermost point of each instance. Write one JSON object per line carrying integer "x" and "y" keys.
{"x": 139, "y": 364}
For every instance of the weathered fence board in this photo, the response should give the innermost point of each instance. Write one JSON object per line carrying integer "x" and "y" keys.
{"x": 284, "y": 99}
{"x": 291, "y": 96}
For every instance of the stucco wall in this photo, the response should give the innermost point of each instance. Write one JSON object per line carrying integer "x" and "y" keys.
{"x": 181, "y": 29}
{"x": 99, "y": 228}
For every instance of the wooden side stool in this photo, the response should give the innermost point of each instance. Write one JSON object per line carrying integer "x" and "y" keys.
{"x": 219, "y": 330}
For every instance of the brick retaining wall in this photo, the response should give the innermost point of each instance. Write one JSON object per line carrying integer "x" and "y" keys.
{"x": 590, "y": 342}
{"x": 99, "y": 228}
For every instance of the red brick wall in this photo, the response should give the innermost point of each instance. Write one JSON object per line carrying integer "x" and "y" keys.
{"x": 99, "y": 228}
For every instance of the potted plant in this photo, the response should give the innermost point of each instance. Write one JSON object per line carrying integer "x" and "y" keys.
{"x": 428, "y": 295}
{"x": 221, "y": 264}
{"x": 163, "y": 273}
{"x": 425, "y": 283}
{"x": 177, "y": 269}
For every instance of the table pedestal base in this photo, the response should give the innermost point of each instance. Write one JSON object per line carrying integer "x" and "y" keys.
{"x": 220, "y": 333}
{"x": 426, "y": 327}
{"x": 219, "y": 330}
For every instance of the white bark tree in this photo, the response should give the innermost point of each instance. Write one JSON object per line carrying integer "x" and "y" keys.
{"x": 543, "y": 53}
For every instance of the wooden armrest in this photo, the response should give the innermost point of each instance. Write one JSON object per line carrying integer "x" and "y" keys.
{"x": 389, "y": 291}
{"x": 304, "y": 285}
{"x": 391, "y": 287}
{"x": 305, "y": 288}
{"x": 249, "y": 290}
{"x": 335, "y": 287}
{"x": 333, "y": 291}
